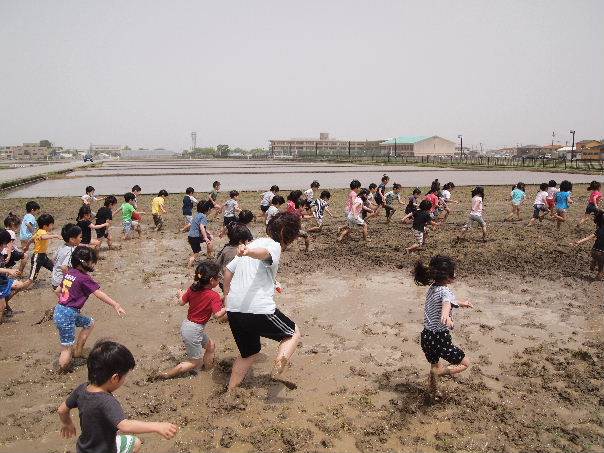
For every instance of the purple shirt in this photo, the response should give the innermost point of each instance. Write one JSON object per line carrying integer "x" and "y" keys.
{"x": 76, "y": 288}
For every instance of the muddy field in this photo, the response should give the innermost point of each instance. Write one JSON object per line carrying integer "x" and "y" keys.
{"x": 534, "y": 339}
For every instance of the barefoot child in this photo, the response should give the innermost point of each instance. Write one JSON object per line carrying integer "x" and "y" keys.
{"x": 76, "y": 287}
{"x": 8, "y": 285}
{"x": 595, "y": 197}
{"x": 157, "y": 209}
{"x": 391, "y": 197}
{"x": 212, "y": 200}
{"x": 309, "y": 194}
{"x": 231, "y": 210}
{"x": 552, "y": 190}
{"x": 199, "y": 233}
{"x": 319, "y": 208}
{"x": 597, "y": 251}
{"x": 476, "y": 213}
{"x": 249, "y": 288}
{"x": 188, "y": 203}
{"x": 267, "y": 198}
{"x": 355, "y": 218}
{"x": 41, "y": 240}
{"x": 274, "y": 208}
{"x": 540, "y": 206}
{"x": 516, "y": 198}
{"x": 421, "y": 217}
{"x": 12, "y": 224}
{"x": 29, "y": 225}
{"x": 85, "y": 223}
{"x": 128, "y": 213}
{"x": 355, "y": 188}
{"x": 436, "y": 339}
{"x": 104, "y": 216}
{"x": 563, "y": 201}
{"x": 412, "y": 205}
{"x": 101, "y": 415}
{"x": 204, "y": 303}
{"x": 72, "y": 235}
{"x": 380, "y": 195}
{"x": 89, "y": 198}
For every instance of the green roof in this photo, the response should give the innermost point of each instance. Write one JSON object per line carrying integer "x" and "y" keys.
{"x": 406, "y": 139}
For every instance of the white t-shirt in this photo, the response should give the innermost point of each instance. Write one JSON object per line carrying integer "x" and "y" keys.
{"x": 253, "y": 283}
{"x": 87, "y": 199}
{"x": 267, "y": 197}
{"x": 310, "y": 195}
{"x": 271, "y": 212}
{"x": 446, "y": 194}
{"x": 476, "y": 205}
{"x": 541, "y": 197}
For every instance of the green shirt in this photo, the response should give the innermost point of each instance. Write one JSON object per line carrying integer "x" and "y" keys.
{"x": 127, "y": 211}
{"x": 214, "y": 195}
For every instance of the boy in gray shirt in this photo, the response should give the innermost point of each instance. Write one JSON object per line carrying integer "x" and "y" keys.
{"x": 72, "y": 235}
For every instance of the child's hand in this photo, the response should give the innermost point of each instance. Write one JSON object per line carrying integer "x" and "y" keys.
{"x": 120, "y": 311}
{"x": 68, "y": 430}
{"x": 447, "y": 321}
{"x": 12, "y": 272}
{"x": 466, "y": 304}
{"x": 167, "y": 430}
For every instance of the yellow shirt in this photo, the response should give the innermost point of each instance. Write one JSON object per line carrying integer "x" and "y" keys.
{"x": 157, "y": 204}
{"x": 41, "y": 245}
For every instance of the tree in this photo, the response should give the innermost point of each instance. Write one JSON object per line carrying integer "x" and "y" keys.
{"x": 45, "y": 144}
{"x": 223, "y": 150}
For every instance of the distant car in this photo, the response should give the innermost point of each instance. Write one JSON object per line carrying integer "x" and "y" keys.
{"x": 88, "y": 158}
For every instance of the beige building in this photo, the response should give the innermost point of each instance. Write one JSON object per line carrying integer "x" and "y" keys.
{"x": 30, "y": 151}
{"x": 323, "y": 146}
{"x": 418, "y": 145}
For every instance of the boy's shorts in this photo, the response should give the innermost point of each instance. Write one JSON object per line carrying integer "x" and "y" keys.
{"x": 6, "y": 290}
{"x": 389, "y": 210}
{"x": 591, "y": 209}
{"x": 355, "y": 222}
{"x": 125, "y": 443}
{"x": 248, "y": 328}
{"x": 128, "y": 226}
{"x": 67, "y": 319}
{"x": 102, "y": 233}
{"x": 195, "y": 243}
{"x": 264, "y": 208}
{"x": 438, "y": 345}
{"x": 188, "y": 218}
{"x": 538, "y": 209}
{"x": 194, "y": 338}
{"x": 157, "y": 220}
{"x": 475, "y": 218}
{"x": 14, "y": 257}
{"x": 228, "y": 220}
{"x": 419, "y": 236}
{"x": 560, "y": 211}
{"x": 38, "y": 261}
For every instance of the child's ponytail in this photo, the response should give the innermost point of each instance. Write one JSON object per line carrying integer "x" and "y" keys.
{"x": 440, "y": 271}
{"x": 421, "y": 274}
{"x": 205, "y": 271}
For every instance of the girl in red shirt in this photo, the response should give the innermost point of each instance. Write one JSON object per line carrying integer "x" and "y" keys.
{"x": 595, "y": 197}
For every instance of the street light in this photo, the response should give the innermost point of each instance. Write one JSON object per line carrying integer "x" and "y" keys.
{"x": 572, "y": 148}
{"x": 460, "y": 137}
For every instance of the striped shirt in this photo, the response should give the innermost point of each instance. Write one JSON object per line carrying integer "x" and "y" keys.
{"x": 434, "y": 305}
{"x": 320, "y": 207}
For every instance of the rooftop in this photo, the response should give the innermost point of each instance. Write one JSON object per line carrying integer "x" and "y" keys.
{"x": 406, "y": 139}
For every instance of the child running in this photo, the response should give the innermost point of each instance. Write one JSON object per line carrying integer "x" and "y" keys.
{"x": 199, "y": 233}
{"x": 597, "y": 251}
{"x": 380, "y": 195}
{"x": 85, "y": 223}
{"x": 8, "y": 285}
{"x": 212, "y": 201}
{"x": 29, "y": 225}
{"x": 157, "y": 209}
{"x": 540, "y": 208}
{"x": 72, "y": 235}
{"x": 188, "y": 202}
{"x": 104, "y": 425}
{"x": 309, "y": 194}
{"x": 249, "y": 288}
{"x": 12, "y": 224}
{"x": 447, "y": 199}
{"x": 41, "y": 240}
{"x": 104, "y": 216}
{"x": 89, "y": 197}
{"x": 420, "y": 217}
{"x": 563, "y": 201}
{"x": 436, "y": 339}
{"x": 294, "y": 206}
{"x": 552, "y": 190}
{"x": 204, "y": 303}
{"x": 516, "y": 197}
{"x": 476, "y": 213}
{"x": 274, "y": 208}
{"x": 128, "y": 209}
{"x": 76, "y": 287}
{"x": 595, "y": 197}
{"x": 391, "y": 197}
{"x": 231, "y": 210}
{"x": 412, "y": 205}
{"x": 267, "y": 198}
{"x": 355, "y": 218}
{"x": 319, "y": 207}
{"x": 238, "y": 234}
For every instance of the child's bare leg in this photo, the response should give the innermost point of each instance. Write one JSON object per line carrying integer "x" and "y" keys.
{"x": 240, "y": 368}
{"x": 23, "y": 263}
{"x": 82, "y": 337}
{"x": 2, "y": 307}
{"x": 365, "y": 233}
{"x": 306, "y": 243}
{"x": 344, "y": 231}
{"x": 181, "y": 368}
{"x": 65, "y": 357}
{"x": 455, "y": 369}
{"x": 412, "y": 248}
{"x": 192, "y": 259}
{"x": 137, "y": 445}
{"x": 484, "y": 233}
{"x": 209, "y": 249}
{"x": 209, "y": 355}
{"x": 284, "y": 353}
{"x": 435, "y": 371}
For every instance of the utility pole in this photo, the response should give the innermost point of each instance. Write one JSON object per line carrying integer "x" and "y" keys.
{"x": 193, "y": 141}
{"x": 553, "y": 136}
{"x": 572, "y": 147}
{"x": 460, "y": 137}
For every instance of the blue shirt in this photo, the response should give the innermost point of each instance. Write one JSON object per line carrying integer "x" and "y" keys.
{"x": 25, "y": 234}
{"x": 187, "y": 205}
{"x": 199, "y": 219}
{"x": 562, "y": 200}
{"x": 517, "y": 196}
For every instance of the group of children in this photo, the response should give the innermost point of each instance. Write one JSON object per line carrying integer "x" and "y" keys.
{"x": 245, "y": 270}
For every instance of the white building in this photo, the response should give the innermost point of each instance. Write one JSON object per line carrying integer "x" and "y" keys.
{"x": 419, "y": 145}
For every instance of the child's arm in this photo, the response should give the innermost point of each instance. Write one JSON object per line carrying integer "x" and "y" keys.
{"x": 163, "y": 209}
{"x": 9, "y": 272}
{"x": 50, "y": 236}
{"x": 30, "y": 227}
{"x": 445, "y": 316}
{"x": 164, "y": 429}
{"x": 220, "y": 313}
{"x": 433, "y": 223}
{"x": 181, "y": 295}
{"x": 67, "y": 427}
{"x": 591, "y": 237}
{"x": 328, "y": 211}
{"x": 226, "y": 282}
{"x": 109, "y": 301}
{"x": 408, "y": 216}
{"x": 204, "y": 232}
{"x": 258, "y": 254}
{"x": 97, "y": 227}
{"x": 116, "y": 211}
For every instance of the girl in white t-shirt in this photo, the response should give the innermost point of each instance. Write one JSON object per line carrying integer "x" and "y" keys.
{"x": 476, "y": 213}
{"x": 540, "y": 205}
{"x": 446, "y": 196}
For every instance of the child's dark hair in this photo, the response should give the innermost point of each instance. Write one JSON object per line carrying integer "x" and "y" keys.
{"x": 238, "y": 233}
{"x": 478, "y": 190}
{"x": 448, "y": 186}
{"x": 521, "y": 186}
{"x": 106, "y": 359}
{"x": 163, "y": 193}
{"x": 552, "y": 183}
{"x": 543, "y": 186}
{"x": 396, "y": 186}
{"x": 274, "y": 189}
{"x": 277, "y": 200}
{"x": 89, "y": 189}
{"x": 594, "y": 185}
{"x": 12, "y": 220}
{"x": 599, "y": 218}
{"x": 385, "y": 178}
{"x": 129, "y": 197}
{"x": 417, "y": 191}
{"x": 325, "y": 195}
{"x": 233, "y": 193}
{"x": 355, "y": 184}
{"x": 31, "y": 206}
{"x": 189, "y": 190}
{"x": 440, "y": 270}
{"x": 110, "y": 200}
{"x": 5, "y": 237}
{"x": 84, "y": 210}
{"x": 245, "y": 216}
{"x": 70, "y": 231}
{"x": 45, "y": 220}
{"x": 435, "y": 186}
{"x": 372, "y": 186}
{"x": 294, "y": 196}
{"x": 363, "y": 195}
{"x": 425, "y": 205}
{"x": 315, "y": 184}
{"x": 284, "y": 227}
{"x": 205, "y": 271}
{"x": 566, "y": 186}
{"x": 136, "y": 188}
{"x": 215, "y": 184}
{"x": 81, "y": 256}
{"x": 203, "y": 207}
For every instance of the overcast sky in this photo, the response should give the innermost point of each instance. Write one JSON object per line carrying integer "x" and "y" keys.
{"x": 147, "y": 73}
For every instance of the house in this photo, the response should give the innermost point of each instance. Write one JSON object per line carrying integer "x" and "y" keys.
{"x": 30, "y": 151}
{"x": 590, "y": 149}
{"x": 418, "y": 145}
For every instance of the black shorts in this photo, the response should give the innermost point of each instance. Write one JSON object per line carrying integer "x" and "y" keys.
{"x": 14, "y": 257}
{"x": 538, "y": 209}
{"x": 598, "y": 259}
{"x": 410, "y": 208}
{"x": 438, "y": 345}
{"x": 248, "y": 328}
{"x": 389, "y": 210}
{"x": 378, "y": 199}
{"x": 102, "y": 233}
{"x": 591, "y": 209}
{"x": 264, "y": 208}
{"x": 195, "y": 243}
{"x": 228, "y": 220}
{"x": 38, "y": 261}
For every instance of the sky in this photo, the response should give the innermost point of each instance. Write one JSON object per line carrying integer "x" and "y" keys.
{"x": 148, "y": 73}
